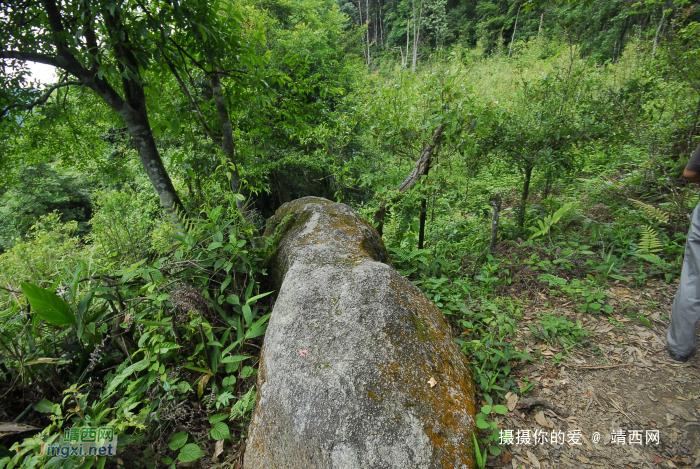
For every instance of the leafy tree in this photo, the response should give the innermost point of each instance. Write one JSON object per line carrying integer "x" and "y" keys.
{"x": 540, "y": 130}
{"x": 39, "y": 190}
{"x": 109, "y": 48}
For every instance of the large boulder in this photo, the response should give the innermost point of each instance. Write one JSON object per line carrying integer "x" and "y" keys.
{"x": 359, "y": 369}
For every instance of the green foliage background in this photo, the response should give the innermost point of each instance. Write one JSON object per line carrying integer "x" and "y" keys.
{"x": 579, "y": 120}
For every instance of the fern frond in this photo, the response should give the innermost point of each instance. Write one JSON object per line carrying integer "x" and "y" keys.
{"x": 189, "y": 224}
{"x": 409, "y": 258}
{"x": 649, "y": 241}
{"x": 608, "y": 181}
{"x": 651, "y": 211}
{"x": 652, "y": 258}
{"x": 561, "y": 212}
{"x": 550, "y": 220}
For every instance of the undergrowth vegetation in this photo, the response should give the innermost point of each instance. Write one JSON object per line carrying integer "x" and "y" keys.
{"x": 548, "y": 176}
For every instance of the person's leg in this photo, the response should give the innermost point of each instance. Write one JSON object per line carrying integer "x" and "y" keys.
{"x": 686, "y": 307}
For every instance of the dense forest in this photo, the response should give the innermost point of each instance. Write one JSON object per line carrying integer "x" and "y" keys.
{"x": 513, "y": 155}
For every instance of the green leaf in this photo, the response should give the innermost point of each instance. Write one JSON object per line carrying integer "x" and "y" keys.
{"x": 486, "y": 409}
{"x": 482, "y": 424}
{"x": 247, "y": 314}
{"x": 48, "y": 305}
{"x": 217, "y": 418}
{"x": 117, "y": 380}
{"x": 645, "y": 321}
{"x": 196, "y": 368}
{"x": 189, "y": 453}
{"x": 501, "y": 409}
{"x": 146, "y": 322}
{"x": 257, "y": 329}
{"x": 225, "y": 283}
{"x": 220, "y": 431}
{"x": 233, "y": 299}
{"x": 257, "y": 297}
{"x": 480, "y": 462}
{"x": 44, "y": 406}
{"x": 233, "y": 359}
{"x": 495, "y": 450}
{"x": 247, "y": 371}
{"x": 178, "y": 441}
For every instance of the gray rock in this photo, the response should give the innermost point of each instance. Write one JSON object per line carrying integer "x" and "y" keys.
{"x": 362, "y": 396}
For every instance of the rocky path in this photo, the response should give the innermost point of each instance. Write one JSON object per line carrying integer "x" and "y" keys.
{"x": 620, "y": 391}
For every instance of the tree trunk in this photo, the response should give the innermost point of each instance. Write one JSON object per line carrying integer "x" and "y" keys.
{"x": 421, "y": 230}
{"x": 515, "y": 28}
{"x": 496, "y": 204}
{"x": 369, "y": 56}
{"x": 421, "y": 218}
{"x": 413, "y": 68}
{"x": 421, "y": 168}
{"x": 547, "y": 186}
{"x": 227, "y": 143}
{"x": 416, "y": 34}
{"x": 658, "y": 30}
{"x": 408, "y": 39}
{"x": 131, "y": 108}
{"x": 526, "y": 192}
{"x": 142, "y": 137}
{"x": 381, "y": 26}
{"x": 359, "y": 9}
{"x": 539, "y": 31}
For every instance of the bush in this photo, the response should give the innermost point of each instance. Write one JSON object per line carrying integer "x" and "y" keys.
{"x": 122, "y": 225}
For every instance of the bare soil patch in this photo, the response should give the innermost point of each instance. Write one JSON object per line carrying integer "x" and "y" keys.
{"x": 621, "y": 383}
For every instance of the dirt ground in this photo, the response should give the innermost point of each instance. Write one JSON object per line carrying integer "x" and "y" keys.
{"x": 622, "y": 390}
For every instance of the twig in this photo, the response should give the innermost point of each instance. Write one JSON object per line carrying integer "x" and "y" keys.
{"x": 538, "y": 401}
{"x": 471, "y": 267}
{"x": 596, "y": 367}
{"x": 42, "y": 100}
{"x": 614, "y": 404}
{"x": 11, "y": 291}
{"x": 24, "y": 413}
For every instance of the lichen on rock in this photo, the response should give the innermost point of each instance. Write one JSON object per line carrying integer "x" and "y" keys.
{"x": 362, "y": 396}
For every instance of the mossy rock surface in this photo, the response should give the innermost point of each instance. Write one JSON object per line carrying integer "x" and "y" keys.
{"x": 350, "y": 354}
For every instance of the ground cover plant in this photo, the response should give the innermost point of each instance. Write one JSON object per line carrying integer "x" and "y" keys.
{"x": 521, "y": 160}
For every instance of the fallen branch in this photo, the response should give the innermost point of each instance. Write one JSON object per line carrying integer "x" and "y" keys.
{"x": 540, "y": 402}
{"x": 603, "y": 367}
{"x": 420, "y": 169}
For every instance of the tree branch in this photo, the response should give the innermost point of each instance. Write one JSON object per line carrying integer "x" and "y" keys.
{"x": 215, "y": 138}
{"x": 28, "y": 56}
{"x": 421, "y": 168}
{"x": 42, "y": 100}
